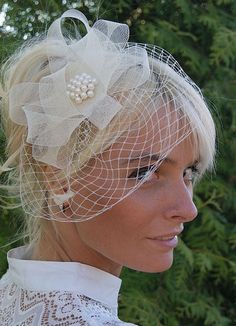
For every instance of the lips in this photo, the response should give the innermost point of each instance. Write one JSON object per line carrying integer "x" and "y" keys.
{"x": 165, "y": 245}
{"x": 166, "y": 237}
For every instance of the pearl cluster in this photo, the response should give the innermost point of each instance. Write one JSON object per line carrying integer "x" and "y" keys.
{"x": 81, "y": 87}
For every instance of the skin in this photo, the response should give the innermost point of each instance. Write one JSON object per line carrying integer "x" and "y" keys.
{"x": 121, "y": 235}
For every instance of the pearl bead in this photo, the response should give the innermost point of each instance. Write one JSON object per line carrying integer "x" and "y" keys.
{"x": 83, "y": 95}
{"x": 72, "y": 95}
{"x": 84, "y": 88}
{"x": 78, "y": 100}
{"x": 84, "y": 82}
{"x": 91, "y": 86}
{"x": 81, "y": 87}
{"x": 78, "y": 91}
{"x": 90, "y": 94}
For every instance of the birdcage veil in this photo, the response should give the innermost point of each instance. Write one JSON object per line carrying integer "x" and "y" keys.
{"x": 106, "y": 109}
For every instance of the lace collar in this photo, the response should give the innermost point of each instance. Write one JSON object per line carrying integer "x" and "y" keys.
{"x": 63, "y": 276}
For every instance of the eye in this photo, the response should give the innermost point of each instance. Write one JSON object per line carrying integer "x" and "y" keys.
{"x": 191, "y": 173}
{"x": 143, "y": 172}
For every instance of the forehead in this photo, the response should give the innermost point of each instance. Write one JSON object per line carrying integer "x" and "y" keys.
{"x": 157, "y": 133}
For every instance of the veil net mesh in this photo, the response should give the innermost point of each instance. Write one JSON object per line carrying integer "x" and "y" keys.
{"x": 93, "y": 154}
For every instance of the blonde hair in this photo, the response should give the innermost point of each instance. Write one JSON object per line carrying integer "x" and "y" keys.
{"x": 30, "y": 63}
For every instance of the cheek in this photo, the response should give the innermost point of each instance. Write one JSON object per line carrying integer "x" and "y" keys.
{"x": 148, "y": 201}
{"x": 132, "y": 218}
{"x": 106, "y": 232}
{"x": 127, "y": 221}
{"x": 117, "y": 232}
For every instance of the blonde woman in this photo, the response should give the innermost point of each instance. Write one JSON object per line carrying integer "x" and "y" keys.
{"x": 105, "y": 139}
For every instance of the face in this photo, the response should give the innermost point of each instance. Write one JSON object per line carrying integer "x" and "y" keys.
{"x": 140, "y": 231}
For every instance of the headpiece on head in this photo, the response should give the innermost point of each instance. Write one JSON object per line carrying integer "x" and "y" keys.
{"x": 103, "y": 106}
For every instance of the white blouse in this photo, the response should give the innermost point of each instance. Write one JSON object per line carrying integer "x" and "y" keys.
{"x": 44, "y": 293}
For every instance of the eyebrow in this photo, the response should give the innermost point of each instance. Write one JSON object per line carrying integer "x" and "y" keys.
{"x": 151, "y": 157}
{"x": 146, "y": 158}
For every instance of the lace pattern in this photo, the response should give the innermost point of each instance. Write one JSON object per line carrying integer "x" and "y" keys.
{"x": 20, "y": 307}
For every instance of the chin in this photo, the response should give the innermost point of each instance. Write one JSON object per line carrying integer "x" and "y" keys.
{"x": 158, "y": 269}
{"x": 156, "y": 265}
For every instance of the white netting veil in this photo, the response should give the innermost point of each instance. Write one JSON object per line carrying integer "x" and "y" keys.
{"x": 105, "y": 109}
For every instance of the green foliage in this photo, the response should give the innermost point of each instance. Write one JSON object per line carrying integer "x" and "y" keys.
{"x": 223, "y": 47}
{"x": 200, "y": 287}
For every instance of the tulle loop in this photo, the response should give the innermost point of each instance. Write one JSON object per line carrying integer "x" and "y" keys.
{"x": 55, "y": 31}
{"x": 48, "y": 106}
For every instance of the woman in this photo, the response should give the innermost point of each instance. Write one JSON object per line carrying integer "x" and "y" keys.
{"x": 106, "y": 139}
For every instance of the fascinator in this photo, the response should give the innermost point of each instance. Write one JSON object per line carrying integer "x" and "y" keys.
{"x": 100, "y": 107}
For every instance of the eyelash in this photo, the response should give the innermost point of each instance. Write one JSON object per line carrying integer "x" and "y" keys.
{"x": 137, "y": 174}
{"x": 195, "y": 173}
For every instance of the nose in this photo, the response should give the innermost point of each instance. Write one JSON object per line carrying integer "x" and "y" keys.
{"x": 180, "y": 204}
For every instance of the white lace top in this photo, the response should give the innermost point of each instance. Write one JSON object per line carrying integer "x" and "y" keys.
{"x": 56, "y": 293}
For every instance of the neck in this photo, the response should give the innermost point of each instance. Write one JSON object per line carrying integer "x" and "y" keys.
{"x": 67, "y": 246}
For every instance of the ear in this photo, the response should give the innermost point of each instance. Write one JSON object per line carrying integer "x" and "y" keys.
{"x": 63, "y": 197}
{"x": 57, "y": 184}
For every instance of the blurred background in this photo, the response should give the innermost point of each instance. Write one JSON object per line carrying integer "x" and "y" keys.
{"x": 200, "y": 288}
